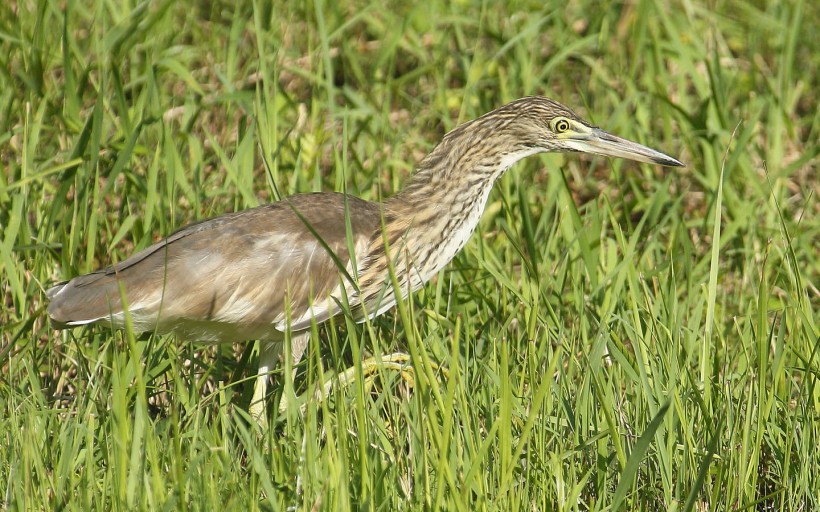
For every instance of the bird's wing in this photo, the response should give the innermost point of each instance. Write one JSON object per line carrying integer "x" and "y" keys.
{"x": 238, "y": 276}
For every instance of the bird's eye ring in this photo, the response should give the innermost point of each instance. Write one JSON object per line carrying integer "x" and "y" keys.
{"x": 560, "y": 125}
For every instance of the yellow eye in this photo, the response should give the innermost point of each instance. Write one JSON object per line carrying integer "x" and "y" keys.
{"x": 560, "y": 125}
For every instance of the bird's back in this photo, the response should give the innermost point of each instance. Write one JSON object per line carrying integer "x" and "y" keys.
{"x": 240, "y": 276}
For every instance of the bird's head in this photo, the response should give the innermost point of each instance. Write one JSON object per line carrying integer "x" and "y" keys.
{"x": 536, "y": 124}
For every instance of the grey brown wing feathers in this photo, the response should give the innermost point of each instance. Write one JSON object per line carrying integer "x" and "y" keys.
{"x": 239, "y": 276}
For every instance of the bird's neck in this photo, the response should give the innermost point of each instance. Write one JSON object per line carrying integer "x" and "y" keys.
{"x": 442, "y": 204}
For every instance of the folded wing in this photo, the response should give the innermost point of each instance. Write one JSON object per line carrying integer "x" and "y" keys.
{"x": 239, "y": 276}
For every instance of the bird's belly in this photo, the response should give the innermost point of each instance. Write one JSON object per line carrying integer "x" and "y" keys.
{"x": 214, "y": 332}
{"x": 198, "y": 330}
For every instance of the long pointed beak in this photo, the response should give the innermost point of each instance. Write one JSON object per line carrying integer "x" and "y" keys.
{"x": 600, "y": 142}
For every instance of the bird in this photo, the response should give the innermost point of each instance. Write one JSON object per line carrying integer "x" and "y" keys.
{"x": 269, "y": 273}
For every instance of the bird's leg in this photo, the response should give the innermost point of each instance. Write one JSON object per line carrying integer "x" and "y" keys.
{"x": 298, "y": 344}
{"x": 271, "y": 354}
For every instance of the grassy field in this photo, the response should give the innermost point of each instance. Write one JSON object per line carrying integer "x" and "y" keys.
{"x": 615, "y": 336}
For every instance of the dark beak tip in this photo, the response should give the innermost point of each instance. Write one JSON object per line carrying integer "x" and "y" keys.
{"x": 670, "y": 162}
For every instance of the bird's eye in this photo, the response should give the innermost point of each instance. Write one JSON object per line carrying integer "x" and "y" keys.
{"x": 560, "y": 125}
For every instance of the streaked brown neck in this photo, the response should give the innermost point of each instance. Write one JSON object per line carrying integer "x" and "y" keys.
{"x": 440, "y": 207}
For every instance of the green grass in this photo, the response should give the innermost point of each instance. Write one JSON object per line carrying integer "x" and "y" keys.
{"x": 614, "y": 337}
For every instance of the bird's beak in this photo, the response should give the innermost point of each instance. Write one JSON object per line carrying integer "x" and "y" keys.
{"x": 600, "y": 142}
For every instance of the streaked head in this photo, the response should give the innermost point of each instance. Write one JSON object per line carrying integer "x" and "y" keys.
{"x": 536, "y": 124}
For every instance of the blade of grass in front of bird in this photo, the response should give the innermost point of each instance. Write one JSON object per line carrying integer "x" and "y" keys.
{"x": 630, "y": 470}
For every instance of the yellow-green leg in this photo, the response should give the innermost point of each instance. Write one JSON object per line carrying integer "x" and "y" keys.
{"x": 270, "y": 357}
